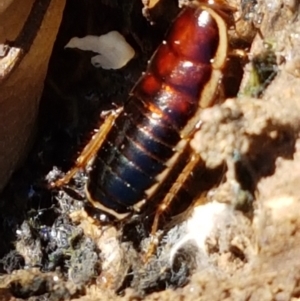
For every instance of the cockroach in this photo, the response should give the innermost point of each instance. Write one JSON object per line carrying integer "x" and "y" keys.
{"x": 139, "y": 144}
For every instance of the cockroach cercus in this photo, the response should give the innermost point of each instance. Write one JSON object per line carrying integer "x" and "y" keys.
{"x": 139, "y": 144}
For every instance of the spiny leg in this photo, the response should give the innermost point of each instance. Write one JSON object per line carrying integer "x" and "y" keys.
{"x": 91, "y": 148}
{"x": 181, "y": 179}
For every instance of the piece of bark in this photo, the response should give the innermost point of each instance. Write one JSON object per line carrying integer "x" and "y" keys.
{"x": 29, "y": 31}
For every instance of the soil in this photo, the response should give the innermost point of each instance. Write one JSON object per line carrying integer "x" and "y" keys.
{"x": 239, "y": 239}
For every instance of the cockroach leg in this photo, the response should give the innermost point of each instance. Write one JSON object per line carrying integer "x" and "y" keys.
{"x": 91, "y": 148}
{"x": 177, "y": 185}
{"x": 225, "y": 11}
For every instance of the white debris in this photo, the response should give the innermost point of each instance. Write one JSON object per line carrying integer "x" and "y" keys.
{"x": 203, "y": 222}
{"x": 114, "y": 51}
{"x": 9, "y": 57}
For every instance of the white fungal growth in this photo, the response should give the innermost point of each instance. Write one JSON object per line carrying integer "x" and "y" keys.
{"x": 203, "y": 222}
{"x": 113, "y": 50}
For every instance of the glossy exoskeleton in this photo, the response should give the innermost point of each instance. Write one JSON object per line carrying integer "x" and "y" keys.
{"x": 139, "y": 144}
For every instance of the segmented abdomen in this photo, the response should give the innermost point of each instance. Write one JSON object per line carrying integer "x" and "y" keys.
{"x": 145, "y": 134}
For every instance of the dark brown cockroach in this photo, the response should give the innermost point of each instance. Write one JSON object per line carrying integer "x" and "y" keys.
{"x": 138, "y": 145}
